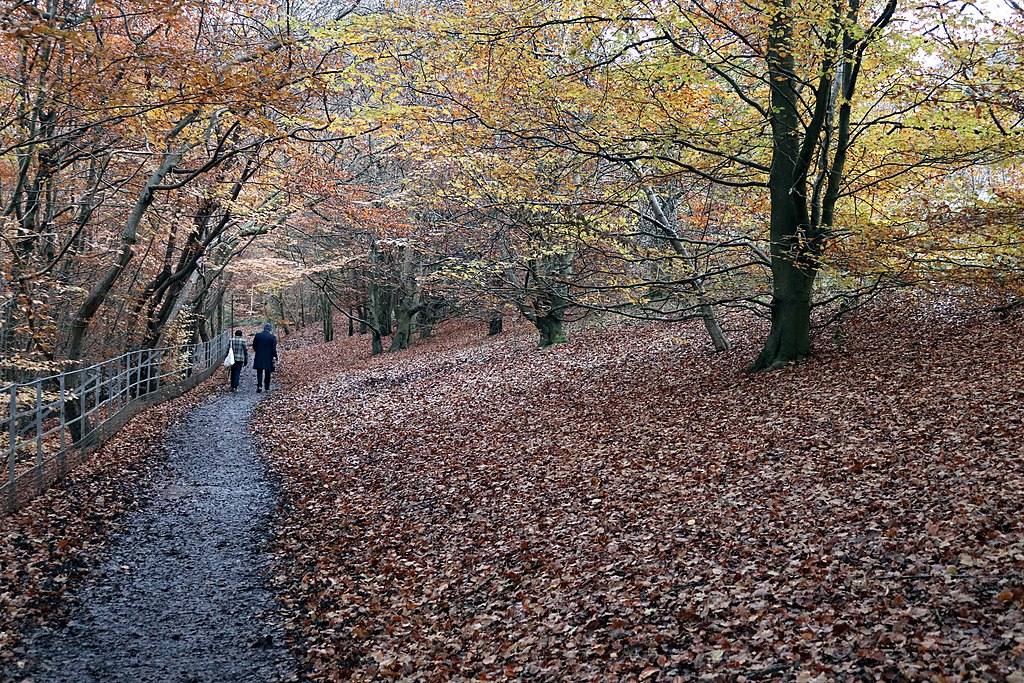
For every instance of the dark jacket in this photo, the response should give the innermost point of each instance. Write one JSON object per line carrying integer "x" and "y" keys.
{"x": 265, "y": 346}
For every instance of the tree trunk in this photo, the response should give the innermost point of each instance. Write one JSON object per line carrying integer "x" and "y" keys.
{"x": 205, "y": 311}
{"x": 403, "y": 328}
{"x": 550, "y": 326}
{"x": 495, "y": 325}
{"x": 707, "y": 310}
{"x": 327, "y": 319}
{"x": 284, "y": 313}
{"x": 707, "y": 314}
{"x": 202, "y": 331}
{"x": 792, "y": 244}
{"x": 176, "y": 302}
{"x": 790, "y": 336}
{"x": 88, "y": 308}
{"x": 431, "y": 312}
{"x": 383, "y": 313}
{"x": 379, "y": 303}
{"x": 75, "y": 408}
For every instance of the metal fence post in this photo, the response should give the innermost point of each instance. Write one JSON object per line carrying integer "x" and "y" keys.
{"x": 39, "y": 434}
{"x": 130, "y": 379}
{"x": 96, "y": 395}
{"x": 122, "y": 381}
{"x": 63, "y": 427}
{"x": 14, "y": 446}
{"x": 117, "y": 377}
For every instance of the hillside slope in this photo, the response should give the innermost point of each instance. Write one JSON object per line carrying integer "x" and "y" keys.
{"x": 627, "y": 507}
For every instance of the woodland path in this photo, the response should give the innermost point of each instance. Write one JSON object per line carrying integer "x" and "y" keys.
{"x": 180, "y": 597}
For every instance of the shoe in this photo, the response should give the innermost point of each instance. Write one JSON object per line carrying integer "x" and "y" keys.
{"x": 258, "y": 390}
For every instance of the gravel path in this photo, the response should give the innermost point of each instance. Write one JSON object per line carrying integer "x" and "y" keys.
{"x": 180, "y": 597}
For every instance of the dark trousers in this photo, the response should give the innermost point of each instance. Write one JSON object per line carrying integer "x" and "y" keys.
{"x": 263, "y": 378}
{"x": 236, "y": 373}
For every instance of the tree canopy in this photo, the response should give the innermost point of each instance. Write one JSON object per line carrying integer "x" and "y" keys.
{"x": 403, "y": 162}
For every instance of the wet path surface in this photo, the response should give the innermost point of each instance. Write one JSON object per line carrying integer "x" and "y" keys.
{"x": 181, "y": 597}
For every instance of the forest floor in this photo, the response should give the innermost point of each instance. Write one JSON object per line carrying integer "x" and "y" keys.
{"x": 622, "y": 507}
{"x": 626, "y": 506}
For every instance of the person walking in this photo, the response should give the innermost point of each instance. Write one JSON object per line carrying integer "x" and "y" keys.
{"x": 241, "y": 354}
{"x": 264, "y": 344}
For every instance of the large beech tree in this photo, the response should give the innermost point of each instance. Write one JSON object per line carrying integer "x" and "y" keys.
{"x": 808, "y": 156}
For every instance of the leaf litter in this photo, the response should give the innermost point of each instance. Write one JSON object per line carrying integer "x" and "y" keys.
{"x": 628, "y": 507}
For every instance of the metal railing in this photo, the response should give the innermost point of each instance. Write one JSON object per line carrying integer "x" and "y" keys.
{"x": 47, "y": 419}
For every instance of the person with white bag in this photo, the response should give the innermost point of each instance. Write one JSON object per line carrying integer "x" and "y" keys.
{"x": 238, "y": 355}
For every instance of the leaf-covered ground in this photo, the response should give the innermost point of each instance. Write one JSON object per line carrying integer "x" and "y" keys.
{"x": 48, "y": 545}
{"x": 625, "y": 507}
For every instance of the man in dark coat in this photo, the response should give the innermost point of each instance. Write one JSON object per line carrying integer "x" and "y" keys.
{"x": 264, "y": 345}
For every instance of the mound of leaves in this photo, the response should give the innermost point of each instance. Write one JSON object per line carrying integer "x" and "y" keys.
{"x": 628, "y": 507}
{"x": 48, "y": 545}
